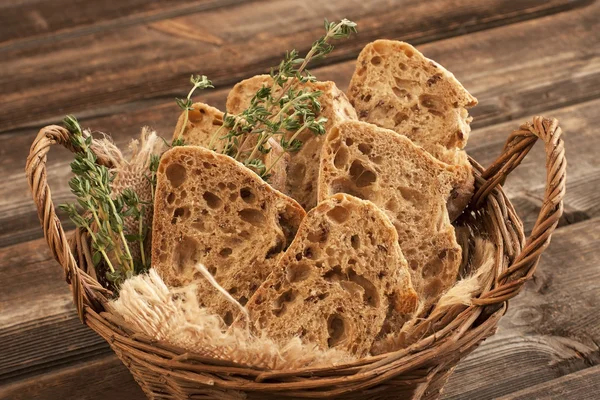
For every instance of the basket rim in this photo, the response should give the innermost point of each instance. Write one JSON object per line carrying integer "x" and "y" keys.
{"x": 516, "y": 260}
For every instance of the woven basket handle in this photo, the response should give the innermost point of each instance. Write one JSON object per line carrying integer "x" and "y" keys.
{"x": 516, "y": 148}
{"x": 53, "y": 231}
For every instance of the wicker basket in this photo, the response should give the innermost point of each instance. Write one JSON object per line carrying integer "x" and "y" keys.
{"x": 417, "y": 372}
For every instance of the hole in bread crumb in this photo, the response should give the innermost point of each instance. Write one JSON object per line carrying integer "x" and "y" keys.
{"x": 181, "y": 213}
{"x": 409, "y": 53}
{"x": 279, "y": 305}
{"x": 221, "y": 186}
{"x": 334, "y": 274}
{"x": 402, "y": 66}
{"x": 212, "y": 270}
{"x": 228, "y": 318}
{"x": 370, "y": 295}
{"x": 183, "y": 194}
{"x": 212, "y": 200}
{"x": 252, "y": 216}
{"x": 171, "y": 198}
{"x": 360, "y": 175}
{"x": 275, "y": 250}
{"x": 318, "y": 236}
{"x": 336, "y": 328}
{"x": 338, "y": 214}
{"x": 176, "y": 174}
{"x": 297, "y": 272}
{"x": 243, "y": 300}
{"x": 247, "y": 195}
{"x": 349, "y": 142}
{"x": 410, "y": 194}
{"x": 399, "y": 118}
{"x": 344, "y": 185}
{"x": 354, "y": 289}
{"x": 207, "y": 165}
{"x": 392, "y": 205}
{"x": 433, "y": 103}
{"x": 225, "y": 252}
{"x": 376, "y": 60}
{"x": 217, "y": 122}
{"x": 361, "y": 71}
{"x": 185, "y": 254}
{"x": 288, "y": 226}
{"x": 198, "y": 225}
{"x": 365, "y": 148}
{"x": 341, "y": 157}
{"x": 365, "y": 97}
{"x": 355, "y": 241}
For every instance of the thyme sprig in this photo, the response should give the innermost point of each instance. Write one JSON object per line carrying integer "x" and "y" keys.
{"x": 102, "y": 211}
{"x": 198, "y": 82}
{"x": 281, "y": 111}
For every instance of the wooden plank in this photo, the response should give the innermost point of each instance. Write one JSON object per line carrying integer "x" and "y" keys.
{"x": 102, "y": 69}
{"x": 551, "y": 329}
{"x": 561, "y": 84}
{"x": 30, "y": 20}
{"x": 103, "y": 378}
{"x": 582, "y": 385}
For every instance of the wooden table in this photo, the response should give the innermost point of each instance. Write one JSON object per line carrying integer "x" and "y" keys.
{"x": 119, "y": 65}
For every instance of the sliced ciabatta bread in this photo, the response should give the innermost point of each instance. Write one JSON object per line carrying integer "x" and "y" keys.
{"x": 210, "y": 209}
{"x": 406, "y": 182}
{"x": 201, "y": 130}
{"x": 303, "y": 167}
{"x": 396, "y": 87}
{"x": 338, "y": 279}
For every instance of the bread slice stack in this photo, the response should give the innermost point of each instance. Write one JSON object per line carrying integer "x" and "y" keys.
{"x": 202, "y": 125}
{"x": 394, "y": 86}
{"x": 410, "y": 185}
{"x": 210, "y": 209}
{"x": 303, "y": 167}
{"x": 336, "y": 282}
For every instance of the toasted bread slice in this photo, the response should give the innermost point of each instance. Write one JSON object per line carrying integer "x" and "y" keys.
{"x": 394, "y": 86}
{"x": 406, "y": 182}
{"x": 210, "y": 209}
{"x": 203, "y": 123}
{"x": 303, "y": 168}
{"x": 336, "y": 282}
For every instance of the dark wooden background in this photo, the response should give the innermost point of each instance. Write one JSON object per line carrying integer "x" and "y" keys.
{"x": 119, "y": 64}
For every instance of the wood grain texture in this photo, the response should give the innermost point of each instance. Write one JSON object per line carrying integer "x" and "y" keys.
{"x": 102, "y": 69}
{"x": 38, "y": 21}
{"x": 562, "y": 82}
{"x": 582, "y": 385}
{"x": 100, "y": 379}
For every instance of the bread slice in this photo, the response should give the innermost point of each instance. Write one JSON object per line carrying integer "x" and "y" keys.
{"x": 336, "y": 282}
{"x": 204, "y": 121}
{"x": 396, "y": 87}
{"x": 303, "y": 168}
{"x": 406, "y": 182}
{"x": 210, "y": 209}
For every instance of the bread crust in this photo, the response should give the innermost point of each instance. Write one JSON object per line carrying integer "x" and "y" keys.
{"x": 210, "y": 209}
{"x": 338, "y": 279}
{"x": 394, "y": 86}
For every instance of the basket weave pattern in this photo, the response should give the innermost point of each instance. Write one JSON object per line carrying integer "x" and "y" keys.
{"x": 417, "y": 372}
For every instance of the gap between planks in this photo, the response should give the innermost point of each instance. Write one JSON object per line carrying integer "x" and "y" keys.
{"x": 503, "y": 74}
{"x": 102, "y": 72}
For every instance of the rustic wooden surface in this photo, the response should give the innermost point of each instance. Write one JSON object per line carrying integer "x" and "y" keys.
{"x": 118, "y": 66}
